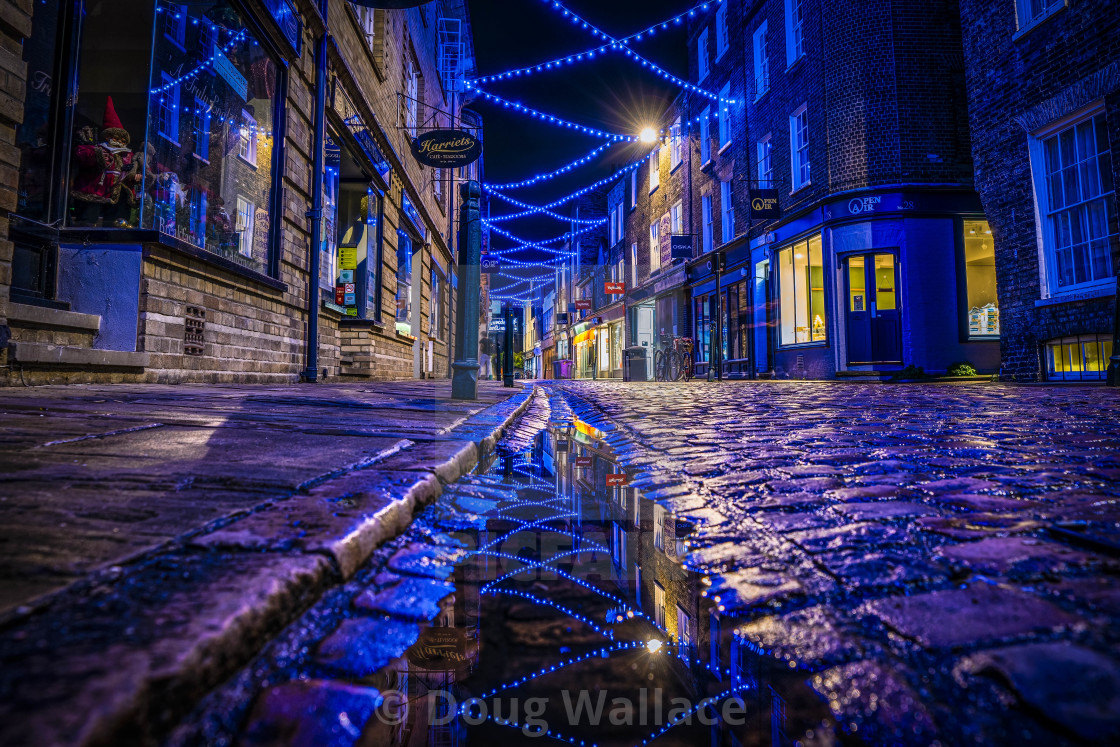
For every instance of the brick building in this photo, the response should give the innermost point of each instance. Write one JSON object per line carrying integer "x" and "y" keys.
{"x": 852, "y": 116}
{"x": 1044, "y": 102}
{"x": 164, "y": 225}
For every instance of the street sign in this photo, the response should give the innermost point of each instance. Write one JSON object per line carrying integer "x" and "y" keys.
{"x": 615, "y": 481}
{"x": 614, "y": 289}
{"x": 491, "y": 264}
{"x": 680, "y": 247}
{"x": 583, "y": 461}
{"x": 764, "y": 204}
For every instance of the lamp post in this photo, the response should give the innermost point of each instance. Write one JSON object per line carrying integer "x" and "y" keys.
{"x": 507, "y": 363}
{"x": 464, "y": 377}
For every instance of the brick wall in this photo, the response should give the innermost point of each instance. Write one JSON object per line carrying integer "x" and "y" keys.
{"x": 1018, "y": 82}
{"x": 15, "y": 26}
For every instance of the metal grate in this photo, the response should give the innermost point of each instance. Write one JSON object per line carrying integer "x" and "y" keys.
{"x": 193, "y": 332}
{"x": 450, "y": 52}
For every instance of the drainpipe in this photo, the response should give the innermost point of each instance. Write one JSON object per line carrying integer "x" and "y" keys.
{"x": 318, "y": 136}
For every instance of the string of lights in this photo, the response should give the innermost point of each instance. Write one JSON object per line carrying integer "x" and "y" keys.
{"x": 530, "y": 210}
{"x": 537, "y": 244}
{"x": 552, "y": 174}
{"x": 201, "y": 66}
{"x": 614, "y": 137}
{"x": 605, "y": 632}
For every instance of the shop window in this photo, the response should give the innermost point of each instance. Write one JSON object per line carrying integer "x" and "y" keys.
{"x": 172, "y": 129}
{"x": 1081, "y": 358}
{"x": 799, "y": 147}
{"x": 1073, "y": 184}
{"x": 436, "y": 320}
{"x": 703, "y": 315}
{"x": 34, "y": 134}
{"x": 404, "y": 283}
{"x": 980, "y": 279}
{"x": 801, "y": 293}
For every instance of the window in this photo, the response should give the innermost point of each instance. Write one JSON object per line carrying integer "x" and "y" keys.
{"x": 411, "y": 94}
{"x": 724, "y": 117}
{"x": 247, "y": 135}
{"x": 702, "y": 56}
{"x": 619, "y": 230}
{"x": 243, "y": 225}
{"x": 175, "y": 23}
{"x": 706, "y": 210}
{"x": 675, "y": 144}
{"x": 436, "y": 317}
{"x": 761, "y": 62}
{"x": 654, "y": 247}
{"x": 437, "y": 185}
{"x": 611, "y": 237}
{"x": 1073, "y": 184}
{"x": 795, "y": 29}
{"x": 704, "y": 311}
{"x": 1081, "y": 358}
{"x": 801, "y": 293}
{"x": 634, "y": 264}
{"x": 658, "y": 603}
{"x": 404, "y": 283}
{"x": 367, "y": 20}
{"x": 799, "y": 147}
{"x": 659, "y": 532}
{"x": 980, "y": 279}
{"x": 765, "y": 163}
{"x": 197, "y": 225}
{"x": 721, "y": 30}
{"x": 200, "y": 129}
{"x": 705, "y": 135}
{"x": 1031, "y": 12}
{"x": 675, "y": 214}
{"x": 684, "y": 622}
{"x": 633, "y": 189}
{"x": 728, "y": 211}
{"x": 167, "y": 109}
{"x": 654, "y": 169}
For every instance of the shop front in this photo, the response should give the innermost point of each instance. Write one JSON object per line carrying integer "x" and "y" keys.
{"x": 658, "y": 312}
{"x": 151, "y": 151}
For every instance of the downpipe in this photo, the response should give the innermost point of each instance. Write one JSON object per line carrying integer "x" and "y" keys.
{"x": 318, "y": 136}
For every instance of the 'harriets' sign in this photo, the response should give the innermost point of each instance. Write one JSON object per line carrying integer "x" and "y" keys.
{"x": 446, "y": 149}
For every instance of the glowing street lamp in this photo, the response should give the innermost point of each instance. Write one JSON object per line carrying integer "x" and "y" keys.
{"x": 648, "y": 136}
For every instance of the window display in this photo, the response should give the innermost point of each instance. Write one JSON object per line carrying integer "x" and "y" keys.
{"x": 980, "y": 279}
{"x": 183, "y": 143}
{"x": 404, "y": 283}
{"x": 801, "y": 293}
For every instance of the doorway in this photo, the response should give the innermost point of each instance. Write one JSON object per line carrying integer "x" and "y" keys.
{"x": 873, "y": 317}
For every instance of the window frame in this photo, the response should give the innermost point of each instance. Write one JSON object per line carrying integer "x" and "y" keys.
{"x": 655, "y": 246}
{"x": 725, "y": 117}
{"x": 1100, "y": 339}
{"x": 764, "y": 158}
{"x": 707, "y": 222}
{"x": 722, "y": 41}
{"x": 1047, "y": 240}
{"x": 675, "y": 149}
{"x": 676, "y": 218}
{"x": 705, "y": 136}
{"x": 654, "y": 169}
{"x": 799, "y": 156}
{"x": 726, "y": 211}
{"x": 247, "y": 143}
{"x": 633, "y": 189}
{"x": 1022, "y": 10}
{"x": 703, "y": 62}
{"x": 795, "y": 31}
{"x": 245, "y": 224}
{"x": 761, "y": 61}
{"x": 201, "y": 112}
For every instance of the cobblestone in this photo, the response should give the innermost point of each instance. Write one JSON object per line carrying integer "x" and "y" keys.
{"x": 909, "y": 537}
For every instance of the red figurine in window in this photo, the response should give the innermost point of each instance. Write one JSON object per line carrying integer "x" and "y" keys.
{"x": 104, "y": 185}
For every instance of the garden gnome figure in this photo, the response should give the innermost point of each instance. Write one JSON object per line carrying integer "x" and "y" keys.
{"x": 104, "y": 186}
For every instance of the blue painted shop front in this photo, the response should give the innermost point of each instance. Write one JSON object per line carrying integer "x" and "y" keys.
{"x": 864, "y": 284}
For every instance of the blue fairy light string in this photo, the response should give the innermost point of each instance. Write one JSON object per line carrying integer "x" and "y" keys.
{"x": 614, "y": 137}
{"x": 531, "y": 210}
{"x": 200, "y": 67}
{"x": 552, "y": 174}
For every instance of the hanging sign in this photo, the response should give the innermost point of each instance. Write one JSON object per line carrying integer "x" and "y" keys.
{"x": 491, "y": 264}
{"x": 440, "y": 650}
{"x": 582, "y": 305}
{"x": 225, "y": 68}
{"x": 680, "y": 247}
{"x": 284, "y": 13}
{"x": 615, "y": 481}
{"x": 614, "y": 289}
{"x": 583, "y": 461}
{"x": 446, "y": 149}
{"x": 764, "y": 204}
{"x": 561, "y": 318}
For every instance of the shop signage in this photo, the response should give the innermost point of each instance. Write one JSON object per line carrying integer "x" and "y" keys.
{"x": 614, "y": 289}
{"x": 583, "y": 461}
{"x": 491, "y": 264}
{"x": 615, "y": 481}
{"x": 348, "y": 257}
{"x": 583, "y": 305}
{"x": 764, "y": 204}
{"x": 332, "y": 155}
{"x": 346, "y": 276}
{"x": 680, "y": 247}
{"x": 349, "y": 288}
{"x": 223, "y": 67}
{"x": 288, "y": 20}
{"x": 497, "y": 325}
{"x": 339, "y": 295}
{"x": 864, "y": 204}
{"x": 562, "y": 318}
{"x": 446, "y": 149}
{"x": 439, "y": 649}
{"x": 562, "y": 445}
{"x": 665, "y": 236}
{"x": 349, "y": 299}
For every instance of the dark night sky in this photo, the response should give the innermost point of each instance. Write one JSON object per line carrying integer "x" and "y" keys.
{"x": 611, "y": 92}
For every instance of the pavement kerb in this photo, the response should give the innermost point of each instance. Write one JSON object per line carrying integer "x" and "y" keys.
{"x": 230, "y": 628}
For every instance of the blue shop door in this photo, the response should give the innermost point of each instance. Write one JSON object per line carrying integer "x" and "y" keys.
{"x": 873, "y": 321}
{"x": 760, "y": 323}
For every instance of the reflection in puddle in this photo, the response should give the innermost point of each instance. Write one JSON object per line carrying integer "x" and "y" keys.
{"x": 573, "y": 619}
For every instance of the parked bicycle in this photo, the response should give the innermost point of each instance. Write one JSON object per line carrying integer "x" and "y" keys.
{"x": 673, "y": 362}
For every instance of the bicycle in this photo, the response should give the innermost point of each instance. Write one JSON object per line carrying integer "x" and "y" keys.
{"x": 674, "y": 361}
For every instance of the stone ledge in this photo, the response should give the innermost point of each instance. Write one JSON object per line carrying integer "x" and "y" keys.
{"x": 64, "y": 355}
{"x": 42, "y": 316}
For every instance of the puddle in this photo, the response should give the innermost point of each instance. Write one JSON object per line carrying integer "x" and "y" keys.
{"x": 573, "y": 620}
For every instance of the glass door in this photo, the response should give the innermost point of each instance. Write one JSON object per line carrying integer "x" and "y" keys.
{"x": 873, "y": 318}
